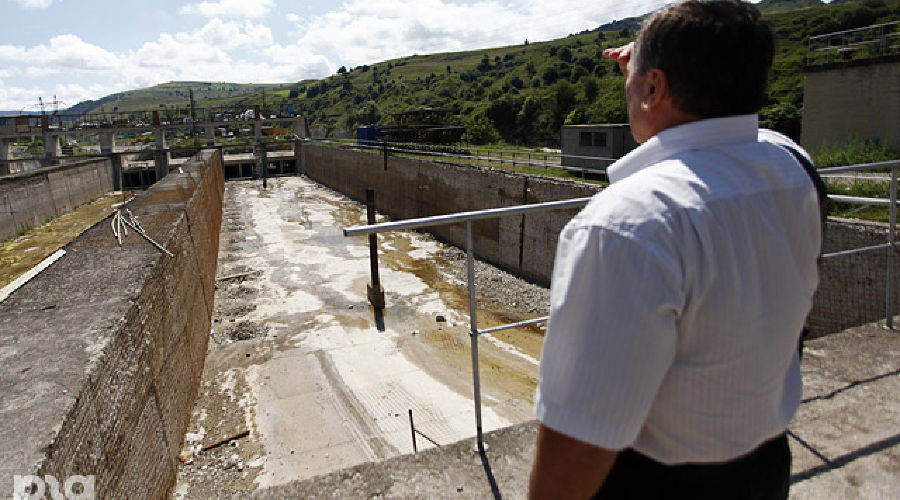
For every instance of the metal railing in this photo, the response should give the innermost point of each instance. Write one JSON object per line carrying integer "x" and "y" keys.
{"x": 891, "y": 203}
{"x": 468, "y": 217}
{"x": 473, "y": 154}
{"x": 861, "y": 43}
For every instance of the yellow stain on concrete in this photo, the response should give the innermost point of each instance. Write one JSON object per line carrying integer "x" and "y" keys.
{"x": 20, "y": 254}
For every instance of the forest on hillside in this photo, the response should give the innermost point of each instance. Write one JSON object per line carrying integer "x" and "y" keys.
{"x": 523, "y": 94}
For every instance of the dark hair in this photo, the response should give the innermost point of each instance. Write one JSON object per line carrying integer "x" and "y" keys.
{"x": 715, "y": 54}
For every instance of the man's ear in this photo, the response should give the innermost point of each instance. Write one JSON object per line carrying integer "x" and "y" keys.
{"x": 656, "y": 89}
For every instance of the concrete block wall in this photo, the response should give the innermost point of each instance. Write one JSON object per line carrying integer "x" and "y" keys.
{"x": 859, "y": 99}
{"x": 28, "y": 199}
{"x": 109, "y": 344}
{"x": 851, "y": 290}
{"x": 411, "y": 188}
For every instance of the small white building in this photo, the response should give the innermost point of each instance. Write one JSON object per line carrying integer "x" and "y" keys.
{"x": 595, "y": 146}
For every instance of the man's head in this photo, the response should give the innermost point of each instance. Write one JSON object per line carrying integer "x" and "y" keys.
{"x": 711, "y": 58}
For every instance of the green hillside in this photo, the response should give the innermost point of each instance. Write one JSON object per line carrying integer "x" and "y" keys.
{"x": 174, "y": 94}
{"x": 520, "y": 94}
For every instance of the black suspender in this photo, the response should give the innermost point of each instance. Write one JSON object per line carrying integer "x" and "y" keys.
{"x": 823, "y": 214}
{"x": 820, "y": 187}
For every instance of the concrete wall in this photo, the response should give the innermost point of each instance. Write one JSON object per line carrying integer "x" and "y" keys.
{"x": 28, "y": 199}
{"x": 844, "y": 100}
{"x": 411, "y": 188}
{"x": 851, "y": 292}
{"x": 103, "y": 351}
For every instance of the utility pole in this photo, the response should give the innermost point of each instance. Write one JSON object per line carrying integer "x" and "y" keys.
{"x": 193, "y": 118}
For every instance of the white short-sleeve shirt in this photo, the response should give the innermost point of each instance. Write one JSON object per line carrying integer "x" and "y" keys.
{"x": 678, "y": 295}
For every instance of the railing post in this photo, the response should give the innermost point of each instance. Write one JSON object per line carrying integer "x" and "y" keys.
{"x": 473, "y": 332}
{"x": 375, "y": 293}
{"x": 892, "y": 229}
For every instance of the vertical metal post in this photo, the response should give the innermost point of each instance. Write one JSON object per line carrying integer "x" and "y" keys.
{"x": 892, "y": 251}
{"x": 375, "y": 293}
{"x": 473, "y": 332}
{"x": 412, "y": 428}
{"x": 385, "y": 152}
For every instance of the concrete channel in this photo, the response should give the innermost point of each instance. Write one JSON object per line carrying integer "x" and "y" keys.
{"x": 298, "y": 358}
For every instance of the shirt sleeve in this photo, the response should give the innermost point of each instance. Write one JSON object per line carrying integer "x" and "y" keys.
{"x": 611, "y": 338}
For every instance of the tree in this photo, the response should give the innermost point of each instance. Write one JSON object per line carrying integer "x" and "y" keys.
{"x": 587, "y": 63}
{"x": 550, "y": 75}
{"x": 565, "y": 54}
{"x": 563, "y": 102}
{"x": 480, "y": 131}
{"x": 485, "y": 64}
{"x": 502, "y": 113}
{"x": 590, "y": 89}
{"x": 342, "y": 70}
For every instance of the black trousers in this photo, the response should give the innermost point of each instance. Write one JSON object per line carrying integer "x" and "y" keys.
{"x": 761, "y": 474}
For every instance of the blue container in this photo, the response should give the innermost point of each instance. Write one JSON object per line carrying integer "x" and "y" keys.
{"x": 365, "y": 136}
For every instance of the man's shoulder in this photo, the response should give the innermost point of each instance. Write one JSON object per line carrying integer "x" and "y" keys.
{"x": 645, "y": 199}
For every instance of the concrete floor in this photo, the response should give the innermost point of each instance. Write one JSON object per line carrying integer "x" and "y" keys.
{"x": 849, "y": 425}
{"x": 324, "y": 387}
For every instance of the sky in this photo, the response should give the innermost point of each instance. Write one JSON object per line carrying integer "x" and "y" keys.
{"x": 87, "y": 49}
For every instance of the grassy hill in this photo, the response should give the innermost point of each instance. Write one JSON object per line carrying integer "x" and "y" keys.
{"x": 174, "y": 94}
{"x": 521, "y": 94}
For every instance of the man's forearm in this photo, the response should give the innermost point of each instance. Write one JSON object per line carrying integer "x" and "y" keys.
{"x": 567, "y": 468}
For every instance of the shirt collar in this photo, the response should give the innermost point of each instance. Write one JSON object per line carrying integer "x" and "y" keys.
{"x": 692, "y": 135}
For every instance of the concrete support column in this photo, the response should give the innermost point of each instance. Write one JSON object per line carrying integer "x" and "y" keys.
{"x": 160, "y": 138}
{"x": 161, "y": 163}
{"x": 298, "y": 127}
{"x": 298, "y": 157}
{"x": 257, "y": 131}
{"x": 5, "y": 149}
{"x": 116, "y": 162}
{"x": 259, "y": 151}
{"x": 51, "y": 145}
{"x": 210, "y": 134}
{"x": 107, "y": 142}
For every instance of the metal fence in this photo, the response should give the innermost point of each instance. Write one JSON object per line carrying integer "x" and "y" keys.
{"x": 476, "y": 155}
{"x": 468, "y": 217}
{"x": 862, "y": 43}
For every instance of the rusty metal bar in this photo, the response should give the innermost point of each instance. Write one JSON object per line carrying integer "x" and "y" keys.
{"x": 374, "y": 291}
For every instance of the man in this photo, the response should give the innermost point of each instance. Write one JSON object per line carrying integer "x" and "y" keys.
{"x": 678, "y": 294}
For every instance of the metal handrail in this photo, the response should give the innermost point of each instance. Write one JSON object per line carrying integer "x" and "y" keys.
{"x": 468, "y": 217}
{"x": 392, "y": 147}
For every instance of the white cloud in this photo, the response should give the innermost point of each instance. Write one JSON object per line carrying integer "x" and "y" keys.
{"x": 34, "y": 4}
{"x": 231, "y": 47}
{"x": 70, "y": 52}
{"x": 230, "y": 8}
{"x": 367, "y": 31}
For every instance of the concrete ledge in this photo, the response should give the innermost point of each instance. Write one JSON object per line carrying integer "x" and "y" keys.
{"x": 101, "y": 354}
{"x": 455, "y": 471}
